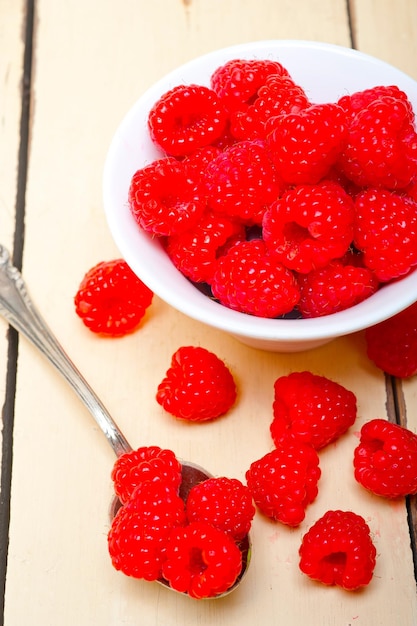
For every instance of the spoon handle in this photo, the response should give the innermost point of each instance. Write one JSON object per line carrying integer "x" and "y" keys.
{"x": 18, "y": 309}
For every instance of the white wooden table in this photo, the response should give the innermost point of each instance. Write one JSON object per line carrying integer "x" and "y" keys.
{"x": 69, "y": 70}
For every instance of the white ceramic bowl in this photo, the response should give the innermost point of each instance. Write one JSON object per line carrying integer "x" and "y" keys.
{"x": 326, "y": 72}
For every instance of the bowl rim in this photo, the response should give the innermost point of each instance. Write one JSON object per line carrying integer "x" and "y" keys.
{"x": 187, "y": 298}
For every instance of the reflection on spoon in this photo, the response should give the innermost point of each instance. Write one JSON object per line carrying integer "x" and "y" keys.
{"x": 19, "y": 310}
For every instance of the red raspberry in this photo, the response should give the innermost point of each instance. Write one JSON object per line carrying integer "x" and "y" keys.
{"x": 392, "y": 344}
{"x": 198, "y": 161}
{"x": 111, "y": 300}
{"x": 201, "y": 560}
{"x": 149, "y": 463}
{"x": 386, "y": 232}
{"x": 312, "y": 408}
{"x": 381, "y": 147}
{"x": 385, "y": 460}
{"x": 164, "y": 198}
{"x": 304, "y": 145}
{"x": 140, "y": 529}
{"x": 309, "y": 226}
{"x": 241, "y": 182}
{"x": 225, "y": 503}
{"x": 338, "y": 550}
{"x": 356, "y": 102}
{"x": 236, "y": 82}
{"x": 186, "y": 118}
{"x": 247, "y": 279}
{"x": 197, "y": 387}
{"x": 284, "y": 481}
{"x": 279, "y": 95}
{"x": 195, "y": 253}
{"x": 334, "y": 288}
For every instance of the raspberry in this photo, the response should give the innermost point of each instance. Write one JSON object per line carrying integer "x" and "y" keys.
{"x": 236, "y": 82}
{"x": 381, "y": 147}
{"x": 195, "y": 252}
{"x": 198, "y": 386}
{"x": 278, "y": 95}
{"x": 385, "y": 460}
{"x": 284, "y": 481}
{"x": 304, "y": 145}
{"x": 354, "y": 103}
{"x": 334, "y": 288}
{"x": 111, "y": 300}
{"x": 392, "y": 344}
{"x": 241, "y": 182}
{"x": 164, "y": 199}
{"x": 198, "y": 161}
{"x": 201, "y": 560}
{"x": 149, "y": 463}
{"x": 247, "y": 279}
{"x": 386, "y": 232}
{"x": 186, "y": 118}
{"x": 312, "y": 408}
{"x": 225, "y": 503}
{"x": 338, "y": 550}
{"x": 309, "y": 226}
{"x": 140, "y": 529}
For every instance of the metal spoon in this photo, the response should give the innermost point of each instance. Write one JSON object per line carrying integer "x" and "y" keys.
{"x": 18, "y": 309}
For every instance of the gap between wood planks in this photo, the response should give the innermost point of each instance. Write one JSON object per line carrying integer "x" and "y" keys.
{"x": 12, "y": 335}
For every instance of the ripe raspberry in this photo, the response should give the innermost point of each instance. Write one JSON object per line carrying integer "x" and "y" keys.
{"x": 385, "y": 460}
{"x": 195, "y": 252}
{"x": 241, "y": 182}
{"x": 304, "y": 145}
{"x": 338, "y": 550}
{"x": 140, "y": 529}
{"x": 198, "y": 161}
{"x": 334, "y": 288}
{"x": 201, "y": 560}
{"x": 278, "y": 95}
{"x": 236, "y": 82}
{"x": 312, "y": 408}
{"x": 149, "y": 463}
{"x": 353, "y": 103}
{"x": 198, "y": 386}
{"x": 284, "y": 481}
{"x": 111, "y": 300}
{"x": 386, "y": 232}
{"x": 381, "y": 148}
{"x": 309, "y": 226}
{"x": 247, "y": 279}
{"x": 225, "y": 503}
{"x": 186, "y": 118}
{"x": 392, "y": 344}
{"x": 164, "y": 199}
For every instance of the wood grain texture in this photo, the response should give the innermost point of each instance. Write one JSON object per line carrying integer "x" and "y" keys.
{"x": 387, "y": 30}
{"x": 91, "y": 61}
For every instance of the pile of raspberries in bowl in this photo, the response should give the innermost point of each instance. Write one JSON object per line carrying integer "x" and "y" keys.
{"x": 270, "y": 190}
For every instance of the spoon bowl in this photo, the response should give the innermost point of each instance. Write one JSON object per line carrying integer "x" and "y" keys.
{"x": 17, "y": 307}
